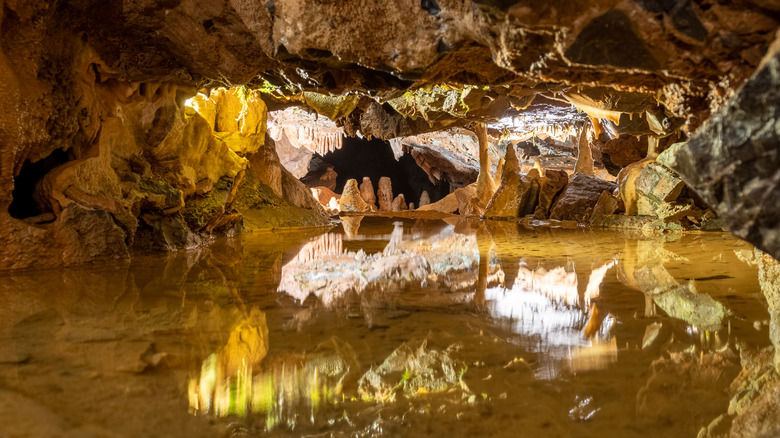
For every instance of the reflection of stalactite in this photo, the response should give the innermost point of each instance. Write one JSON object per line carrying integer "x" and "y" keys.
{"x": 327, "y": 244}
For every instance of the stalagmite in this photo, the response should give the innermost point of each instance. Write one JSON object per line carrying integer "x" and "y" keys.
{"x": 485, "y": 184}
{"x": 350, "y": 198}
{"x": 584, "y": 163}
{"x": 425, "y": 199}
{"x": 384, "y": 194}
{"x": 367, "y": 191}
{"x": 399, "y": 203}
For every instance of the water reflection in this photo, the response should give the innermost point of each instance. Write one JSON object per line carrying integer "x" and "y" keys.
{"x": 431, "y": 326}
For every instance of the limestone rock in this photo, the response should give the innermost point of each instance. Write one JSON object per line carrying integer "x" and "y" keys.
{"x": 518, "y": 193}
{"x": 606, "y": 206}
{"x": 618, "y": 153}
{"x": 425, "y": 199}
{"x": 351, "y": 201}
{"x": 732, "y": 160}
{"x": 327, "y": 198}
{"x": 584, "y": 162}
{"x": 465, "y": 197}
{"x": 367, "y": 191}
{"x": 399, "y": 203}
{"x": 447, "y": 204}
{"x": 580, "y": 196}
{"x": 659, "y": 183}
{"x": 627, "y": 184}
{"x": 553, "y": 182}
{"x": 384, "y": 194}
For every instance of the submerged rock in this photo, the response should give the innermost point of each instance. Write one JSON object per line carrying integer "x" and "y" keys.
{"x": 412, "y": 369}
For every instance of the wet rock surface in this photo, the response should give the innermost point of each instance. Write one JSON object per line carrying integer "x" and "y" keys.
{"x": 732, "y": 162}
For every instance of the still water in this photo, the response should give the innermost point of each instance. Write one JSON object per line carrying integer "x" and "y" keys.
{"x": 387, "y": 327}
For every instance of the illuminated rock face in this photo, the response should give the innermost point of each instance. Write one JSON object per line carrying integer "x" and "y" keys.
{"x": 93, "y": 111}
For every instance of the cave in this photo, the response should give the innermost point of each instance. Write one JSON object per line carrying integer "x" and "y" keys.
{"x": 23, "y": 204}
{"x": 598, "y": 254}
{"x": 358, "y": 158}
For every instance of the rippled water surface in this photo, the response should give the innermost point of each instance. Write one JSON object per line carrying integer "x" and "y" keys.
{"x": 381, "y": 327}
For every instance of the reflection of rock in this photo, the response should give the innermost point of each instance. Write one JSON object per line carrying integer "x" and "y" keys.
{"x": 412, "y": 369}
{"x": 686, "y": 387}
{"x": 350, "y": 200}
{"x": 697, "y": 309}
{"x": 577, "y": 200}
{"x": 351, "y": 225}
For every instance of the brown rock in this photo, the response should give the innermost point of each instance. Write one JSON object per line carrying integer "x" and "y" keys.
{"x": 399, "y": 203}
{"x": 659, "y": 183}
{"x": 584, "y": 162}
{"x": 605, "y": 207}
{"x": 367, "y": 191}
{"x": 518, "y": 193}
{"x": 351, "y": 200}
{"x": 447, "y": 204}
{"x": 622, "y": 151}
{"x": 425, "y": 199}
{"x": 465, "y": 197}
{"x": 627, "y": 185}
{"x": 324, "y": 195}
{"x": 578, "y": 199}
{"x": 384, "y": 194}
{"x": 553, "y": 182}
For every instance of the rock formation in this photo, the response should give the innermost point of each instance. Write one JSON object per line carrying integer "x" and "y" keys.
{"x": 367, "y": 191}
{"x": 384, "y": 194}
{"x": 399, "y": 203}
{"x": 424, "y": 199}
{"x": 350, "y": 200}
{"x": 517, "y": 194}
{"x": 95, "y": 122}
{"x": 580, "y": 196}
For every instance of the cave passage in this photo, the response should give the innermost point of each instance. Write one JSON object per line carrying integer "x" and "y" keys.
{"x": 24, "y": 205}
{"x": 359, "y": 158}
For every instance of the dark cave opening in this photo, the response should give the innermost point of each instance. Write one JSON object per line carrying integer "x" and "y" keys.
{"x": 359, "y": 158}
{"x": 23, "y": 204}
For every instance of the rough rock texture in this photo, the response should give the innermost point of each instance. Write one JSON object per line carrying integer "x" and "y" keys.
{"x": 622, "y": 151}
{"x": 367, "y": 191}
{"x": 517, "y": 194}
{"x": 424, "y": 199}
{"x": 93, "y": 91}
{"x": 553, "y": 182}
{"x": 350, "y": 200}
{"x": 733, "y": 162}
{"x": 384, "y": 194}
{"x": 577, "y": 200}
{"x": 399, "y": 203}
{"x": 605, "y": 206}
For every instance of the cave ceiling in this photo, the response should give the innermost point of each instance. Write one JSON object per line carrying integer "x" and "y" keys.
{"x": 393, "y": 68}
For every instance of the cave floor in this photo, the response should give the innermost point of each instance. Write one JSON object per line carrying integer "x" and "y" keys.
{"x": 386, "y": 327}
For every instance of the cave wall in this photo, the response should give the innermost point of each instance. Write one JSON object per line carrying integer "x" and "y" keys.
{"x": 104, "y": 83}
